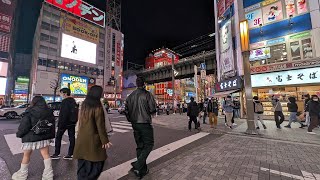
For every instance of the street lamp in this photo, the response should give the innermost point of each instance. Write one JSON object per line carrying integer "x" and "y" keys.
{"x": 244, "y": 36}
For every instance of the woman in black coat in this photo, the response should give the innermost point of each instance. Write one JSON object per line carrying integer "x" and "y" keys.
{"x": 37, "y": 111}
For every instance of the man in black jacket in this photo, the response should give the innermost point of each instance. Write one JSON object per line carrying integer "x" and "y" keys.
{"x": 140, "y": 106}
{"x": 193, "y": 112}
{"x": 293, "y": 109}
{"x": 67, "y": 121}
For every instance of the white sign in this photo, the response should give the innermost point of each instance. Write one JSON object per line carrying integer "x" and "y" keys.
{"x": 254, "y": 18}
{"x": 226, "y": 54}
{"x": 225, "y": 36}
{"x": 291, "y": 77}
{"x": 259, "y": 54}
{"x": 3, "y": 82}
{"x": 78, "y": 49}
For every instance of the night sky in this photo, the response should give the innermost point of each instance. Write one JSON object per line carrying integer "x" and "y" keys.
{"x": 147, "y": 24}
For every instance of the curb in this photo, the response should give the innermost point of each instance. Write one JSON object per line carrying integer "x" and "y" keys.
{"x": 4, "y": 170}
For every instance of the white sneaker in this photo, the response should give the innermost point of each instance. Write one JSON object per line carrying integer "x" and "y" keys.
{"x": 311, "y": 133}
{"x": 20, "y": 175}
{"x": 234, "y": 124}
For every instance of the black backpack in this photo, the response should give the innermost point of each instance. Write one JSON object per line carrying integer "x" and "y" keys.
{"x": 74, "y": 112}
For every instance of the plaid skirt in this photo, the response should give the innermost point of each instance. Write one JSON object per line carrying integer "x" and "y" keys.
{"x": 36, "y": 145}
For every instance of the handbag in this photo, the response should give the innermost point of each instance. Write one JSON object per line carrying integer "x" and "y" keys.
{"x": 42, "y": 127}
{"x": 273, "y": 109}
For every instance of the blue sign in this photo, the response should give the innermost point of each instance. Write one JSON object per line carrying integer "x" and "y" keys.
{"x": 203, "y": 66}
{"x": 190, "y": 94}
{"x": 276, "y": 41}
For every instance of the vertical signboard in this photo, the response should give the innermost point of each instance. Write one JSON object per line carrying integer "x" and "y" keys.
{"x": 226, "y": 50}
{"x": 6, "y": 12}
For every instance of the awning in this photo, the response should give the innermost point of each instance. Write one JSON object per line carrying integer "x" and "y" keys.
{"x": 224, "y": 94}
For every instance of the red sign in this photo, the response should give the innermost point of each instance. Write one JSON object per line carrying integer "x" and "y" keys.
{"x": 4, "y": 43}
{"x": 229, "y": 3}
{"x": 221, "y": 7}
{"x": 81, "y": 9}
{"x": 118, "y": 54}
{"x": 5, "y": 27}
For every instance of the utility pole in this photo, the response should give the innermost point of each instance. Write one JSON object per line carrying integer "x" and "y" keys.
{"x": 173, "y": 82}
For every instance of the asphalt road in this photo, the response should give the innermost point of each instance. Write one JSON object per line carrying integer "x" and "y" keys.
{"x": 123, "y": 148}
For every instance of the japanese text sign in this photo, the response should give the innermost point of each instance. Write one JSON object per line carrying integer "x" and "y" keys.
{"x": 78, "y": 28}
{"x": 81, "y": 9}
{"x": 299, "y": 76}
{"x": 230, "y": 84}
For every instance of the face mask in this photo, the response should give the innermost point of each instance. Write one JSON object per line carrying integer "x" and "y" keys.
{"x": 316, "y": 99}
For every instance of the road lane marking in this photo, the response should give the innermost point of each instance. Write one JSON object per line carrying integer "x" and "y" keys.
{"x": 121, "y": 123}
{"x": 123, "y": 127}
{"x": 122, "y": 170}
{"x": 117, "y": 117}
{"x": 126, "y": 122}
{"x": 15, "y": 143}
{"x": 120, "y": 130}
{"x": 306, "y": 175}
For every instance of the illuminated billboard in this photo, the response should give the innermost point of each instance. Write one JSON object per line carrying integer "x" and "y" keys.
{"x": 81, "y": 9}
{"x": 3, "y": 82}
{"x": 78, "y": 49}
{"x": 77, "y": 84}
{"x": 3, "y": 69}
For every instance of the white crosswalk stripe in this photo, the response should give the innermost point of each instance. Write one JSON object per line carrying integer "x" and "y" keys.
{"x": 15, "y": 143}
{"x": 121, "y": 127}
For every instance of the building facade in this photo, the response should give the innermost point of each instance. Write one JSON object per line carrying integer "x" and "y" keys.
{"x": 284, "y": 47}
{"x": 71, "y": 49}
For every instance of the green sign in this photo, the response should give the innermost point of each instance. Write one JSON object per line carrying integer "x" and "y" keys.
{"x": 22, "y": 79}
{"x": 301, "y": 35}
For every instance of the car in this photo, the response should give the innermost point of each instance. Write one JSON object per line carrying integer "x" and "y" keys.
{"x": 13, "y": 112}
{"x": 121, "y": 109}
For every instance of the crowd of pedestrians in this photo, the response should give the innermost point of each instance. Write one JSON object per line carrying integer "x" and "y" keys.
{"x": 38, "y": 129}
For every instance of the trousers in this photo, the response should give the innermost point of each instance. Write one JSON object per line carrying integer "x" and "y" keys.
{"x": 72, "y": 139}
{"x": 88, "y": 170}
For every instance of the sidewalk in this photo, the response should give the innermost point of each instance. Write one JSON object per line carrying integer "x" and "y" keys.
{"x": 240, "y": 157}
{"x": 4, "y": 171}
{"x": 295, "y": 134}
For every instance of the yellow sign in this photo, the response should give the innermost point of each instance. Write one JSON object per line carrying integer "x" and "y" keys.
{"x": 75, "y": 27}
{"x": 267, "y": 2}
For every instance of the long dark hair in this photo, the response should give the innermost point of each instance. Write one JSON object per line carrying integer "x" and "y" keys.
{"x": 38, "y": 101}
{"x": 91, "y": 103}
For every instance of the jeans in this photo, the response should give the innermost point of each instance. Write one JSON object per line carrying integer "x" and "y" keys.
{"x": 88, "y": 170}
{"x": 143, "y": 135}
{"x": 236, "y": 113}
{"x": 193, "y": 119}
{"x": 258, "y": 117}
{"x": 293, "y": 117}
{"x": 72, "y": 139}
{"x": 278, "y": 114}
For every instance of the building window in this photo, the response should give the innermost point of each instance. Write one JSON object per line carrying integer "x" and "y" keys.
{"x": 45, "y": 26}
{"x": 83, "y": 69}
{"x": 52, "y": 51}
{"x": 43, "y": 49}
{"x": 101, "y": 45}
{"x": 46, "y": 15}
{"x": 75, "y": 68}
{"x": 113, "y": 58}
{"x": 101, "y": 36}
{"x": 55, "y": 18}
{"x": 295, "y": 50}
{"x": 53, "y": 40}
{"x": 52, "y": 63}
{"x": 60, "y": 65}
{"x": 42, "y": 62}
{"x": 307, "y": 48}
{"x": 68, "y": 66}
{"x": 54, "y": 28}
{"x": 44, "y": 37}
{"x": 101, "y": 54}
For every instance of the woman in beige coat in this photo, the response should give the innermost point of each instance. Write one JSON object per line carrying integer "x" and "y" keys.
{"x": 92, "y": 140}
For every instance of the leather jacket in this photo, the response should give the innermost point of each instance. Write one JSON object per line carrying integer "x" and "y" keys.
{"x": 140, "y": 105}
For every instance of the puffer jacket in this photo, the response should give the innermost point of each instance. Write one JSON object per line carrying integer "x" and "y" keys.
{"x": 32, "y": 116}
{"x": 140, "y": 105}
{"x": 193, "y": 109}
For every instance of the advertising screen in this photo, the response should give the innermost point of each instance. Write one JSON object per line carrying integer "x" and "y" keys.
{"x": 3, "y": 69}
{"x": 77, "y": 84}
{"x": 78, "y": 49}
{"x": 3, "y": 82}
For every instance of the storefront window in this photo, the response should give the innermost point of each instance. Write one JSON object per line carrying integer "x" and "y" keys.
{"x": 278, "y": 54}
{"x": 307, "y": 48}
{"x": 60, "y": 65}
{"x": 52, "y": 63}
{"x": 75, "y": 68}
{"x": 83, "y": 69}
{"x": 68, "y": 66}
{"x": 295, "y": 50}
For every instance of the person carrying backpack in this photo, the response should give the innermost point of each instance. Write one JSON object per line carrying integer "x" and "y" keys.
{"x": 258, "y": 112}
{"x": 68, "y": 118}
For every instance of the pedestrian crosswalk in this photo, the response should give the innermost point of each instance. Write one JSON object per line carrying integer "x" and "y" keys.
{"x": 121, "y": 126}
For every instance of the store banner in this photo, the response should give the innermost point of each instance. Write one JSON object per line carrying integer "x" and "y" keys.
{"x": 259, "y": 54}
{"x": 81, "y": 9}
{"x": 229, "y": 84}
{"x": 226, "y": 50}
{"x": 221, "y": 7}
{"x": 76, "y": 27}
{"x": 254, "y": 18}
{"x": 292, "y": 77}
{"x": 273, "y": 12}
{"x": 285, "y": 66}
